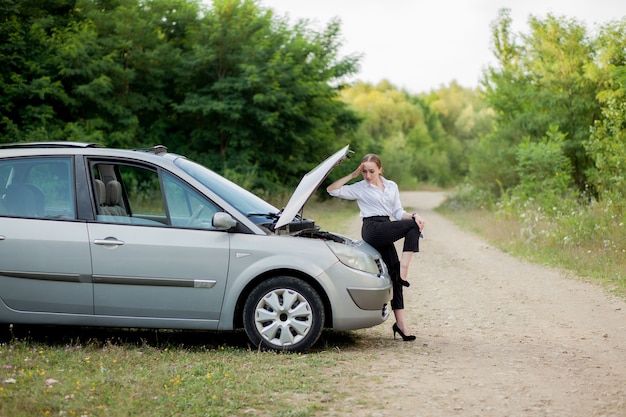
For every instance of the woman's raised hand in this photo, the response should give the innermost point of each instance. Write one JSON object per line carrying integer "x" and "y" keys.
{"x": 358, "y": 171}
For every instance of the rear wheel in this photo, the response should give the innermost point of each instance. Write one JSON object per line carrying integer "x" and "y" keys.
{"x": 283, "y": 314}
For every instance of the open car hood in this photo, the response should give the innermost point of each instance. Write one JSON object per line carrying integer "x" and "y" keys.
{"x": 307, "y": 186}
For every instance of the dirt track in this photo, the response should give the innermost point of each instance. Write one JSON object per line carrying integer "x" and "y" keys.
{"x": 495, "y": 337}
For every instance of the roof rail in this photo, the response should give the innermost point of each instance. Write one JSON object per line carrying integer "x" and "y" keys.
{"x": 49, "y": 145}
{"x": 156, "y": 149}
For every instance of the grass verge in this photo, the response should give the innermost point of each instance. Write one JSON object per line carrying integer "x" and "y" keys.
{"x": 113, "y": 372}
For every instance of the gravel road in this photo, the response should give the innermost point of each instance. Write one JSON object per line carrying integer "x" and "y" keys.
{"x": 496, "y": 336}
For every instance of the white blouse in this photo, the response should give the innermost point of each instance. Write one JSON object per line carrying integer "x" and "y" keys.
{"x": 373, "y": 201}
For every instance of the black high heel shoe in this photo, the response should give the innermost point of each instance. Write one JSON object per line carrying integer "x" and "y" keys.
{"x": 406, "y": 338}
{"x": 405, "y": 283}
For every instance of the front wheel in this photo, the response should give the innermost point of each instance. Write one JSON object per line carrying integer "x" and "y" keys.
{"x": 283, "y": 314}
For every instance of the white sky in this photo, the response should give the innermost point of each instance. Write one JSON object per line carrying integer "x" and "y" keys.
{"x": 422, "y": 45}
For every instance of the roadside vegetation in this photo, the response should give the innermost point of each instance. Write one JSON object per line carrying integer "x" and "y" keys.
{"x": 550, "y": 176}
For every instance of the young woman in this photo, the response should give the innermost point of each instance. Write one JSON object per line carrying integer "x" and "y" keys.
{"x": 379, "y": 199}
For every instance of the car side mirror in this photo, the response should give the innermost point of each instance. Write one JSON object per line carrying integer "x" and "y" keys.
{"x": 223, "y": 221}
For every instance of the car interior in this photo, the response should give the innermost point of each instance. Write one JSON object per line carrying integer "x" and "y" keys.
{"x": 36, "y": 188}
{"x": 137, "y": 195}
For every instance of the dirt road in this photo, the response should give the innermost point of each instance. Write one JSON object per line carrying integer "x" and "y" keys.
{"x": 495, "y": 337}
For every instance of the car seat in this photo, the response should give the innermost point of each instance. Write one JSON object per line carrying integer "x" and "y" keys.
{"x": 114, "y": 203}
{"x": 20, "y": 200}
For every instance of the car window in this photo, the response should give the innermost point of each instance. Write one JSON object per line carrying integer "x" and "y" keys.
{"x": 187, "y": 207}
{"x": 128, "y": 194}
{"x": 137, "y": 195}
{"x": 240, "y": 198}
{"x": 37, "y": 188}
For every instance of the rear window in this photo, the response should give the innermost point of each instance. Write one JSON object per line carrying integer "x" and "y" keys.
{"x": 37, "y": 187}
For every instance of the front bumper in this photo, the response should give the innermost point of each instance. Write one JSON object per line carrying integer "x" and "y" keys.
{"x": 358, "y": 299}
{"x": 370, "y": 298}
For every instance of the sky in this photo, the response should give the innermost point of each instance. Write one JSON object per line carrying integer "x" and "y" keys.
{"x": 422, "y": 45}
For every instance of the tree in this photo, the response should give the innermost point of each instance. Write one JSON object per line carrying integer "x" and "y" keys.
{"x": 407, "y": 132}
{"x": 607, "y": 143}
{"x": 118, "y": 60}
{"x": 228, "y": 84}
{"x": 465, "y": 118}
{"x": 260, "y": 94}
{"x": 28, "y": 91}
{"x": 539, "y": 83}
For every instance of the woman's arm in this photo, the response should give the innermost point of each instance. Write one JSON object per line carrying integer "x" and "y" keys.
{"x": 342, "y": 181}
{"x": 416, "y": 217}
{"x": 406, "y": 216}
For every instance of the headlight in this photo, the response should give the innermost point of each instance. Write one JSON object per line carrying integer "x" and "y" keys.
{"x": 354, "y": 258}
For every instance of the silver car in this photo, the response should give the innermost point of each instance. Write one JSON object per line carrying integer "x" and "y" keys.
{"x": 93, "y": 236}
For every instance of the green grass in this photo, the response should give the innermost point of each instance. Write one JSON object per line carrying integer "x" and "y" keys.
{"x": 334, "y": 215}
{"x": 161, "y": 373}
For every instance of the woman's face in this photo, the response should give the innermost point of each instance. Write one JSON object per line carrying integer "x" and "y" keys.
{"x": 371, "y": 172}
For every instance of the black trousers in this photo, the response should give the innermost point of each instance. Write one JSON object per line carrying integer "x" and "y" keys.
{"x": 382, "y": 233}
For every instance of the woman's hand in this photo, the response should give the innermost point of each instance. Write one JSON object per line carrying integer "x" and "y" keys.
{"x": 342, "y": 181}
{"x": 418, "y": 219}
{"x": 358, "y": 171}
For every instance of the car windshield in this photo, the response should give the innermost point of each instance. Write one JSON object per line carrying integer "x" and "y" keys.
{"x": 238, "y": 197}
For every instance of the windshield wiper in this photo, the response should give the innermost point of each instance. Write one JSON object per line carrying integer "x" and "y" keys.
{"x": 268, "y": 215}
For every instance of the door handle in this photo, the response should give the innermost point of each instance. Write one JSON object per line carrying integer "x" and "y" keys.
{"x": 109, "y": 241}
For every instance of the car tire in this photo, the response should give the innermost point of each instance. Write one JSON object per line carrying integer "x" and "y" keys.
{"x": 283, "y": 314}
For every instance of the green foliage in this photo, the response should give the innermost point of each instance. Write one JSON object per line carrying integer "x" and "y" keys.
{"x": 607, "y": 143}
{"x": 259, "y": 92}
{"x": 607, "y": 147}
{"x": 543, "y": 166}
{"x": 458, "y": 118}
{"x": 552, "y": 170}
{"x": 228, "y": 84}
{"x": 399, "y": 162}
{"x": 27, "y": 90}
{"x": 408, "y": 132}
{"x": 540, "y": 82}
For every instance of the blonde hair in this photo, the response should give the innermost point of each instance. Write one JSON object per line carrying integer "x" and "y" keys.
{"x": 372, "y": 157}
